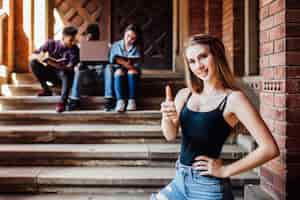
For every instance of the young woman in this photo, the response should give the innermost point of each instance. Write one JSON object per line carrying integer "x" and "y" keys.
{"x": 122, "y": 56}
{"x": 207, "y": 111}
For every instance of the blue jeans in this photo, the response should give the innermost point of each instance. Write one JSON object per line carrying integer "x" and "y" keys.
{"x": 188, "y": 184}
{"x": 117, "y": 84}
{"x": 80, "y": 73}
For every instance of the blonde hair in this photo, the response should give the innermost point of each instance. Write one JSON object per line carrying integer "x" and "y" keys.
{"x": 217, "y": 49}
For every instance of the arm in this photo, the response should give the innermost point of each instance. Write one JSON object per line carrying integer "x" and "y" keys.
{"x": 242, "y": 109}
{"x": 267, "y": 147}
{"x": 170, "y": 114}
{"x": 124, "y": 63}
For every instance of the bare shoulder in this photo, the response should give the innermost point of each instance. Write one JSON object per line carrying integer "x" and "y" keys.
{"x": 182, "y": 94}
{"x": 181, "y": 97}
{"x": 238, "y": 100}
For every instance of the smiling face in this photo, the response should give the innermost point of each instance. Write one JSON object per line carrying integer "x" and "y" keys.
{"x": 130, "y": 37}
{"x": 201, "y": 62}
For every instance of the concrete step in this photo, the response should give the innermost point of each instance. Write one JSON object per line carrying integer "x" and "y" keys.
{"x": 140, "y": 196}
{"x": 86, "y": 103}
{"x": 84, "y": 134}
{"x": 82, "y": 117}
{"x": 255, "y": 192}
{"x": 95, "y": 179}
{"x": 125, "y": 196}
{"x": 147, "y": 75}
{"x": 80, "y": 134}
{"x": 146, "y": 89}
{"x": 100, "y": 154}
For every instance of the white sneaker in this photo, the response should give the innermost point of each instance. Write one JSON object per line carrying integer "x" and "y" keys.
{"x": 120, "y": 107}
{"x": 131, "y": 105}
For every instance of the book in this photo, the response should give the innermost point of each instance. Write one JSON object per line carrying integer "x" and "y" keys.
{"x": 130, "y": 59}
{"x": 45, "y": 59}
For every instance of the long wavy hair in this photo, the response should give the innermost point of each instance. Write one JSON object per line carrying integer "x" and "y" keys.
{"x": 217, "y": 49}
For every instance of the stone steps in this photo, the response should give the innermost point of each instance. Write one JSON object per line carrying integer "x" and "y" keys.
{"x": 147, "y": 75}
{"x": 35, "y": 117}
{"x": 86, "y": 103}
{"x": 85, "y": 134}
{"x": 141, "y": 196}
{"x": 97, "y": 179}
{"x": 100, "y": 154}
{"x": 146, "y": 89}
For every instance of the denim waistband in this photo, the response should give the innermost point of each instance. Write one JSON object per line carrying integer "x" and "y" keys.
{"x": 191, "y": 171}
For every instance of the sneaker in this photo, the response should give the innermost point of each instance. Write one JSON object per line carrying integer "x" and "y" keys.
{"x": 73, "y": 104}
{"x": 109, "y": 104}
{"x": 131, "y": 105}
{"x": 60, "y": 107}
{"x": 120, "y": 107}
{"x": 44, "y": 93}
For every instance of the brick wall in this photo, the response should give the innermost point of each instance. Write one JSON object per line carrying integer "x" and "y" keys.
{"x": 197, "y": 16}
{"x": 280, "y": 71}
{"x": 233, "y": 34}
{"x": 213, "y": 17}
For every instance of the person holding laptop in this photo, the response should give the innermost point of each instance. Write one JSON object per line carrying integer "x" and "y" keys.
{"x": 93, "y": 55}
{"x": 125, "y": 57}
{"x": 54, "y": 62}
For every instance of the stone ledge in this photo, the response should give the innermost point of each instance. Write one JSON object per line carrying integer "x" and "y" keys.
{"x": 254, "y": 192}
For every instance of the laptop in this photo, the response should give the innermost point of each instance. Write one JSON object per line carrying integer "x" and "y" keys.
{"x": 94, "y": 52}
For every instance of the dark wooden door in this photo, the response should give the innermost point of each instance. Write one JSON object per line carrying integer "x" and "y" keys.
{"x": 155, "y": 20}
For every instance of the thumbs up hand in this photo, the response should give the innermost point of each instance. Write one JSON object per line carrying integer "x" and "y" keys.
{"x": 168, "y": 108}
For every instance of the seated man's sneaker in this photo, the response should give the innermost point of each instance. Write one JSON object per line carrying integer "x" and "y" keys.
{"x": 44, "y": 93}
{"x": 109, "y": 104}
{"x": 60, "y": 107}
{"x": 120, "y": 107}
{"x": 131, "y": 105}
{"x": 73, "y": 104}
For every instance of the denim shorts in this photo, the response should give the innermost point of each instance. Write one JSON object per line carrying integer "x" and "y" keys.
{"x": 188, "y": 184}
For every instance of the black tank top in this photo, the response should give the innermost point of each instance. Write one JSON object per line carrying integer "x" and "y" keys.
{"x": 203, "y": 133}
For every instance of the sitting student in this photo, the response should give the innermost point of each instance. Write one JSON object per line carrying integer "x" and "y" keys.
{"x": 123, "y": 56}
{"x": 92, "y": 33}
{"x": 54, "y": 62}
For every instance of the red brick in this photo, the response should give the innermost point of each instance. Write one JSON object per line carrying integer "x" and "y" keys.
{"x": 280, "y": 128}
{"x": 280, "y": 114}
{"x": 280, "y": 100}
{"x": 264, "y": 12}
{"x": 267, "y": 23}
{"x": 268, "y": 113}
{"x": 276, "y": 167}
{"x": 270, "y": 124}
{"x": 267, "y": 98}
{"x": 279, "y": 45}
{"x": 277, "y": 59}
{"x": 281, "y": 142}
{"x": 277, "y": 32}
{"x": 263, "y": 3}
{"x": 264, "y": 61}
{"x": 279, "y": 73}
{"x": 267, "y": 48}
{"x": 268, "y": 73}
{"x": 279, "y": 18}
{"x": 276, "y": 6}
{"x": 264, "y": 36}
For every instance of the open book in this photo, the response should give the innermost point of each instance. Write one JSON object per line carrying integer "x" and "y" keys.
{"x": 130, "y": 59}
{"x": 45, "y": 59}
